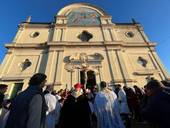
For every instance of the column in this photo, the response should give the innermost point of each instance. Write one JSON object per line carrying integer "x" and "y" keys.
{"x": 110, "y": 62}
{"x": 104, "y": 38}
{"x": 63, "y": 34}
{"x": 59, "y": 65}
{"x": 51, "y": 34}
{"x": 113, "y": 34}
{"x": 6, "y": 63}
{"x": 107, "y": 34}
{"x": 98, "y": 76}
{"x": 123, "y": 69}
{"x": 51, "y": 66}
{"x": 78, "y": 73}
{"x": 140, "y": 29}
{"x": 38, "y": 63}
{"x": 44, "y": 62}
{"x": 57, "y": 34}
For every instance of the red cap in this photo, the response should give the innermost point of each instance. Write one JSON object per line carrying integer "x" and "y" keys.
{"x": 78, "y": 85}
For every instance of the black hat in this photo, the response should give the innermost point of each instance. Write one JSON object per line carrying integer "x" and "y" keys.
{"x": 37, "y": 79}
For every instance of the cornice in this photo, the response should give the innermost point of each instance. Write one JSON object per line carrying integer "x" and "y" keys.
{"x": 51, "y": 25}
{"x": 122, "y": 81}
{"x": 86, "y": 44}
{"x": 26, "y": 45}
{"x": 14, "y": 78}
{"x": 60, "y": 26}
{"x": 105, "y": 43}
{"x": 35, "y": 25}
{"x": 146, "y": 72}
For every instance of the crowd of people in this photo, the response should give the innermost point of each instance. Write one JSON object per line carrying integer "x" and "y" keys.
{"x": 86, "y": 107}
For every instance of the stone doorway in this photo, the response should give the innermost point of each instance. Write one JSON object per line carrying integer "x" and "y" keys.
{"x": 88, "y": 78}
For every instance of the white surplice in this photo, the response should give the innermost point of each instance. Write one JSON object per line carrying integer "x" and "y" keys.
{"x": 107, "y": 110}
{"x": 124, "y": 109}
{"x": 51, "y": 114}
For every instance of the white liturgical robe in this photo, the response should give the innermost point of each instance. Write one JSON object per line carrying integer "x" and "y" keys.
{"x": 51, "y": 113}
{"x": 107, "y": 110}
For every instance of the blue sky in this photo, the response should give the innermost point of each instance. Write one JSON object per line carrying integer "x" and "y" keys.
{"x": 154, "y": 15}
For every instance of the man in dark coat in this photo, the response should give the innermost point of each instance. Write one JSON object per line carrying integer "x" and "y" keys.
{"x": 3, "y": 89}
{"x": 156, "y": 110}
{"x": 28, "y": 109}
{"x": 75, "y": 112}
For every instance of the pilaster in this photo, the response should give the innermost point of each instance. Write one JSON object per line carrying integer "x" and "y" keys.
{"x": 57, "y": 34}
{"x": 18, "y": 34}
{"x": 122, "y": 65}
{"x": 159, "y": 65}
{"x": 50, "y": 67}
{"x": 63, "y": 34}
{"x": 113, "y": 34}
{"x": 110, "y": 63}
{"x": 140, "y": 29}
{"x": 6, "y": 63}
{"x": 59, "y": 68}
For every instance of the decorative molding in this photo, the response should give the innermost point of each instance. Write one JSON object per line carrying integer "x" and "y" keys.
{"x": 9, "y": 52}
{"x": 105, "y": 17}
{"x": 146, "y": 72}
{"x": 122, "y": 81}
{"x": 58, "y": 84}
{"x": 60, "y": 26}
{"x": 26, "y": 45}
{"x": 84, "y": 58}
{"x": 35, "y": 25}
{"x": 14, "y": 78}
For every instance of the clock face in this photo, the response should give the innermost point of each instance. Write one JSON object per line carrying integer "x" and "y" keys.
{"x": 83, "y": 17}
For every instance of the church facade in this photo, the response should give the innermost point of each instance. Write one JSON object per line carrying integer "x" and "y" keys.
{"x": 81, "y": 45}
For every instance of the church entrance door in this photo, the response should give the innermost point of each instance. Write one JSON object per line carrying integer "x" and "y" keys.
{"x": 88, "y": 78}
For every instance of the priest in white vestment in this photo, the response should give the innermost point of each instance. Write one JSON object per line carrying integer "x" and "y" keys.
{"x": 124, "y": 109}
{"x": 107, "y": 109}
{"x": 51, "y": 114}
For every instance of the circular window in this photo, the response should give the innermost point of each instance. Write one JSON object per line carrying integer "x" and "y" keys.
{"x": 34, "y": 34}
{"x": 129, "y": 34}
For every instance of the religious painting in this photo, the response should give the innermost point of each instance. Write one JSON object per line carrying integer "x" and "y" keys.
{"x": 83, "y": 17}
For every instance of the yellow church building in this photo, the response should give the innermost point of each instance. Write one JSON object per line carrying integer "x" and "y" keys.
{"x": 81, "y": 45}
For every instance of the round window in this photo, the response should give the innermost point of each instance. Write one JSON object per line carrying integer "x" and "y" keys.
{"x": 129, "y": 34}
{"x": 34, "y": 34}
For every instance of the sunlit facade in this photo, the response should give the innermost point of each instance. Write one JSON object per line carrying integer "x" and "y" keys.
{"x": 83, "y": 45}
